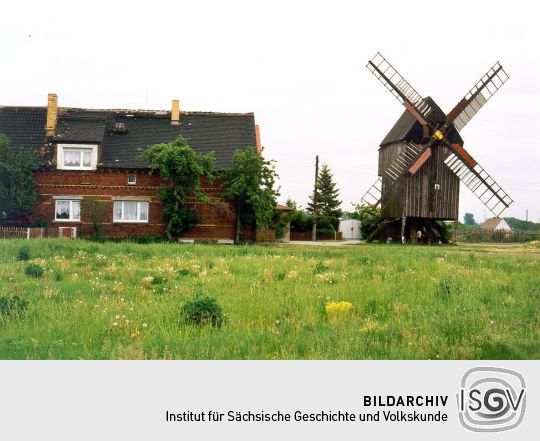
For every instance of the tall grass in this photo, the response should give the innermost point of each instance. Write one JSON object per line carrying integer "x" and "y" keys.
{"x": 124, "y": 301}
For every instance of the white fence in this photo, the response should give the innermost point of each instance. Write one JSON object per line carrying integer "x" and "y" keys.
{"x": 33, "y": 233}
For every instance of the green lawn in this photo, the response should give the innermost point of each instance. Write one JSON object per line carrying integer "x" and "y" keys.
{"x": 97, "y": 301}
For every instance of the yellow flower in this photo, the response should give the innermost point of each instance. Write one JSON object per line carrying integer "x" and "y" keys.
{"x": 338, "y": 307}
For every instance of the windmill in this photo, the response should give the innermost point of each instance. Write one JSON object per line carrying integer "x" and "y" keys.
{"x": 422, "y": 160}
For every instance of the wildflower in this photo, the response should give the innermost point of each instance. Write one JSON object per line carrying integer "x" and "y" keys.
{"x": 147, "y": 281}
{"x": 292, "y": 275}
{"x": 117, "y": 317}
{"x": 115, "y": 324}
{"x": 145, "y": 325}
{"x": 338, "y": 307}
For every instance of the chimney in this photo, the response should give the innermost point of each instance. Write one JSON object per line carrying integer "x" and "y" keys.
{"x": 175, "y": 113}
{"x": 52, "y": 113}
{"x": 258, "y": 139}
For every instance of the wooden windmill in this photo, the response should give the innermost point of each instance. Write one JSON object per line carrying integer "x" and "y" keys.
{"x": 422, "y": 159}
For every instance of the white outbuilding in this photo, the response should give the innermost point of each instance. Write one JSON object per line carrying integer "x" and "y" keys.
{"x": 350, "y": 228}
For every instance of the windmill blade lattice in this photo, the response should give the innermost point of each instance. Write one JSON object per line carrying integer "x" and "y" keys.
{"x": 396, "y": 84}
{"x": 479, "y": 95}
{"x": 404, "y": 160}
{"x": 482, "y": 185}
{"x": 372, "y": 197}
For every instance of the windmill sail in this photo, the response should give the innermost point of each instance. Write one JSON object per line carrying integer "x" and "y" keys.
{"x": 482, "y": 185}
{"x": 479, "y": 95}
{"x": 399, "y": 167}
{"x": 397, "y": 85}
{"x": 404, "y": 160}
{"x": 373, "y": 195}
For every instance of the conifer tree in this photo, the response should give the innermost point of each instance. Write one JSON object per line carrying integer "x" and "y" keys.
{"x": 328, "y": 203}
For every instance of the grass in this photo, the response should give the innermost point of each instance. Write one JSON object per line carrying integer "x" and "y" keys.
{"x": 124, "y": 301}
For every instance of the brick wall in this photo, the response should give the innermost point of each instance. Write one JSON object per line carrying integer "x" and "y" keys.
{"x": 214, "y": 223}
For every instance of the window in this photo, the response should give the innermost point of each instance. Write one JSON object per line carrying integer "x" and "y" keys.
{"x": 77, "y": 157}
{"x": 67, "y": 210}
{"x": 130, "y": 211}
{"x": 132, "y": 180}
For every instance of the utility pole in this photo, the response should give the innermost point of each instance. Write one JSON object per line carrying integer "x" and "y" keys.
{"x": 314, "y": 230}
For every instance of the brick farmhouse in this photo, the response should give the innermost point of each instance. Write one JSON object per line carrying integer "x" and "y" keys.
{"x": 96, "y": 153}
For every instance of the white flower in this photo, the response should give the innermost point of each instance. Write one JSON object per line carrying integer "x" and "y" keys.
{"x": 145, "y": 325}
{"x": 117, "y": 317}
{"x": 115, "y": 324}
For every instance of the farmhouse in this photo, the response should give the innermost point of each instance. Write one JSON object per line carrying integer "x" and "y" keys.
{"x": 496, "y": 224}
{"x": 96, "y": 153}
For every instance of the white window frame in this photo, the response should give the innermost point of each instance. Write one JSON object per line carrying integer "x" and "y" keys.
{"x": 131, "y": 221}
{"x": 60, "y": 153}
{"x": 134, "y": 177}
{"x": 71, "y": 201}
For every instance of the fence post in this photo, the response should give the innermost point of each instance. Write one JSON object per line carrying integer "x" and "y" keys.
{"x": 28, "y": 233}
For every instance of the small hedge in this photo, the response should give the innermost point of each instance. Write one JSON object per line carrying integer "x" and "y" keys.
{"x": 14, "y": 307}
{"x": 34, "y": 270}
{"x": 24, "y": 253}
{"x": 202, "y": 311}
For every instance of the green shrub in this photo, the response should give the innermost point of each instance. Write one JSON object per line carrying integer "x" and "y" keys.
{"x": 202, "y": 311}
{"x": 34, "y": 270}
{"x": 13, "y": 306}
{"x": 449, "y": 286}
{"x": 24, "y": 253}
{"x": 320, "y": 268}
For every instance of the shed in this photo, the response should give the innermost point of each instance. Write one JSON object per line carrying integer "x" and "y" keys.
{"x": 350, "y": 229}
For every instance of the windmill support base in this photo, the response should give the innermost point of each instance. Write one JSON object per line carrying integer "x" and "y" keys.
{"x": 413, "y": 230}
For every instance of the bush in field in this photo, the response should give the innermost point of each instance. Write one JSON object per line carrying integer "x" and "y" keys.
{"x": 24, "y": 253}
{"x": 320, "y": 267}
{"x": 202, "y": 311}
{"x": 13, "y": 306}
{"x": 34, "y": 270}
{"x": 449, "y": 287}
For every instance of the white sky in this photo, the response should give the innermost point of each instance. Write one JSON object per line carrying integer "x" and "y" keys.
{"x": 300, "y": 67}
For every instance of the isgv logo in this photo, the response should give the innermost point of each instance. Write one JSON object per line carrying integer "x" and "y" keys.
{"x": 491, "y": 399}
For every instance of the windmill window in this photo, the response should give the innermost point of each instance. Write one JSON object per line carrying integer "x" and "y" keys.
{"x": 437, "y": 186}
{"x": 120, "y": 126}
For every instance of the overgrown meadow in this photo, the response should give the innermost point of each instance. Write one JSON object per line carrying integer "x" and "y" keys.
{"x": 126, "y": 301}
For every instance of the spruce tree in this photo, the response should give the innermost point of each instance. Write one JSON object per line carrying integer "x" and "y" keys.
{"x": 328, "y": 203}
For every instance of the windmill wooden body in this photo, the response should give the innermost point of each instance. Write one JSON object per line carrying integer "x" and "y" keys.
{"x": 422, "y": 160}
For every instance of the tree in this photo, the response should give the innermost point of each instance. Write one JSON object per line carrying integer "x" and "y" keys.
{"x": 18, "y": 194}
{"x": 369, "y": 217}
{"x": 93, "y": 211}
{"x": 300, "y": 219}
{"x": 328, "y": 204}
{"x": 183, "y": 168}
{"x": 249, "y": 184}
{"x": 468, "y": 220}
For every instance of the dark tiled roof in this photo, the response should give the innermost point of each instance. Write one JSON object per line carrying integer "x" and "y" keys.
{"x": 408, "y": 129}
{"x": 222, "y": 133}
{"x": 206, "y": 132}
{"x": 82, "y": 129}
{"x": 24, "y": 126}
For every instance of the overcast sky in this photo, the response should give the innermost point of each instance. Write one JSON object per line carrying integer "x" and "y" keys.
{"x": 300, "y": 67}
